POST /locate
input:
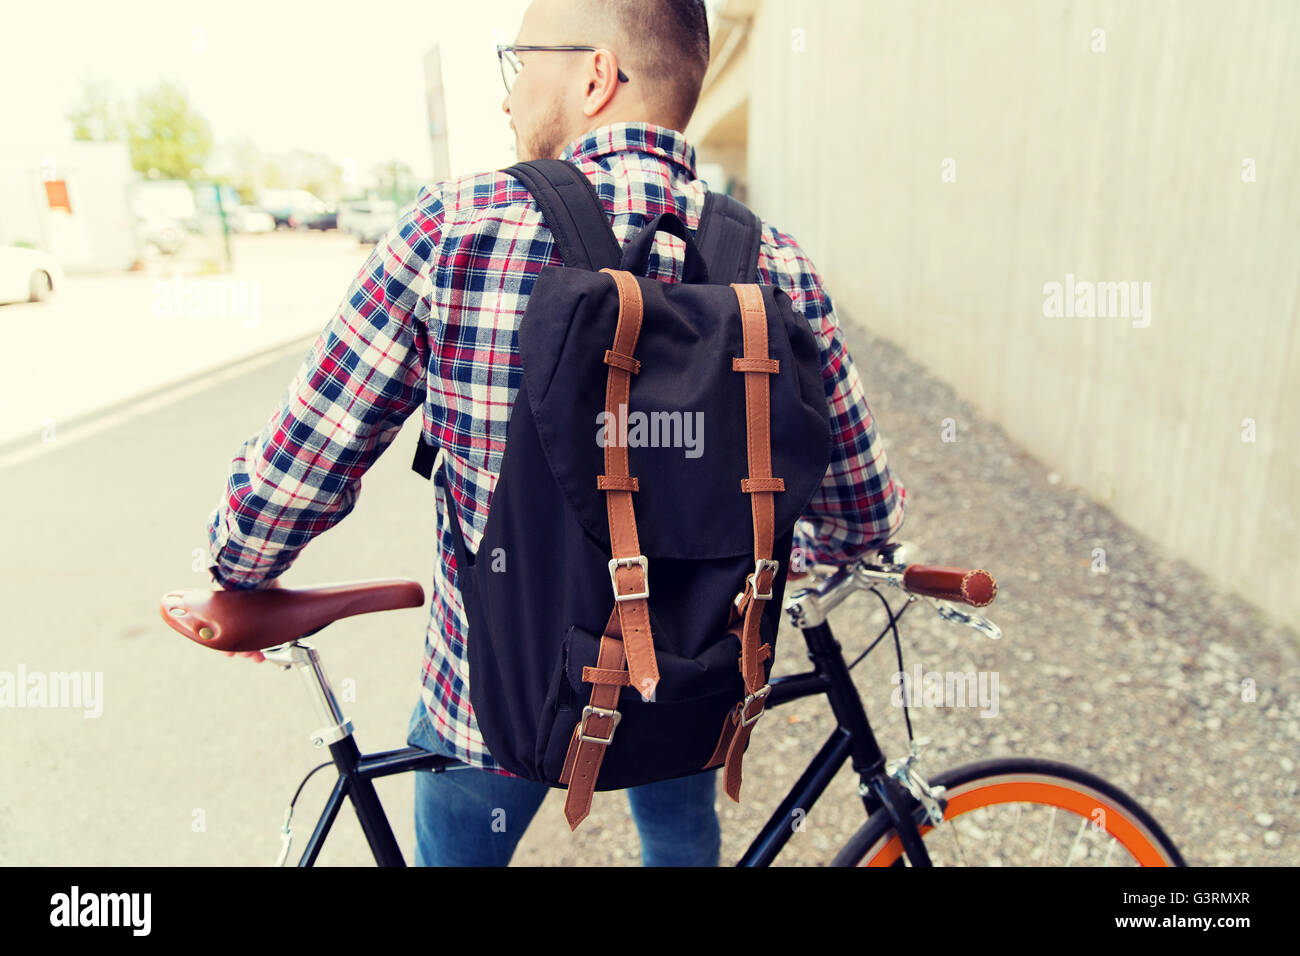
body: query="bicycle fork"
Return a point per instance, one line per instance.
(877, 785)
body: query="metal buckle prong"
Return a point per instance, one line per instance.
(750, 698)
(637, 560)
(602, 712)
(760, 566)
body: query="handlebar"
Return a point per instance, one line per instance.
(808, 603)
(976, 588)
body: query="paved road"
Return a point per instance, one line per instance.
(105, 338)
(1135, 674)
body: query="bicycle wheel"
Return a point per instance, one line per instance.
(1022, 811)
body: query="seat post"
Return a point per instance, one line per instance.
(306, 661)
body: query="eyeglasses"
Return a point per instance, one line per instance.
(510, 65)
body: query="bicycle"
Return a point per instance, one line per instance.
(909, 820)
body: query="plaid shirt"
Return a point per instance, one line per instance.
(430, 323)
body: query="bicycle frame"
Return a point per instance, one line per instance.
(852, 740)
(356, 771)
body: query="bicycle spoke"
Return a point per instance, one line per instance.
(950, 826)
(1047, 846)
(957, 841)
(1002, 835)
(1015, 821)
(1069, 857)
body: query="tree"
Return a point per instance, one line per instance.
(240, 163)
(99, 115)
(168, 135)
(396, 181)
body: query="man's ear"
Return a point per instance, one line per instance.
(606, 73)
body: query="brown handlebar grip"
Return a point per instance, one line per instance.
(976, 588)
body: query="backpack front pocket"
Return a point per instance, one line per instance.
(672, 735)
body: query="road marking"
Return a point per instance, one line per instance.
(153, 403)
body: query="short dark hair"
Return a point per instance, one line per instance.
(668, 43)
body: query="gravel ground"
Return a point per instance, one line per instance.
(1142, 673)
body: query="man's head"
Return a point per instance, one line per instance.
(662, 46)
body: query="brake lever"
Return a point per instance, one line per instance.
(981, 624)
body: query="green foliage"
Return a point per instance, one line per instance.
(169, 138)
(99, 116)
(248, 169)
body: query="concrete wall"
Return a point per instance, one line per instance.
(952, 159)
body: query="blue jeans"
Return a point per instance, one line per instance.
(476, 818)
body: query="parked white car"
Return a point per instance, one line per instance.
(368, 220)
(158, 232)
(249, 219)
(28, 275)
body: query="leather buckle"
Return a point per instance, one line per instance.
(744, 705)
(602, 712)
(752, 579)
(638, 560)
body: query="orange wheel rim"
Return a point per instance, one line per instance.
(1134, 837)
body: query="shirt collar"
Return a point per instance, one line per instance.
(659, 141)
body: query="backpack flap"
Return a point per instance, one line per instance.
(685, 427)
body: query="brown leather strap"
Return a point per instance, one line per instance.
(758, 415)
(760, 485)
(764, 652)
(628, 629)
(732, 720)
(749, 485)
(630, 574)
(617, 483)
(770, 366)
(583, 758)
(729, 723)
(598, 675)
(626, 362)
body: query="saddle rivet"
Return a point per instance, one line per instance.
(205, 633)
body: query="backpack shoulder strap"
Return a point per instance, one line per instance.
(729, 236)
(572, 211)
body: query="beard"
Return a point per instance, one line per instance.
(548, 138)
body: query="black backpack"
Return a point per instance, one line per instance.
(624, 601)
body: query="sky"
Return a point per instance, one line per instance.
(341, 79)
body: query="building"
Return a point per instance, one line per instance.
(72, 200)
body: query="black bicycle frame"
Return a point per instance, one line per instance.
(852, 739)
(355, 775)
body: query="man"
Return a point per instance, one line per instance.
(431, 323)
